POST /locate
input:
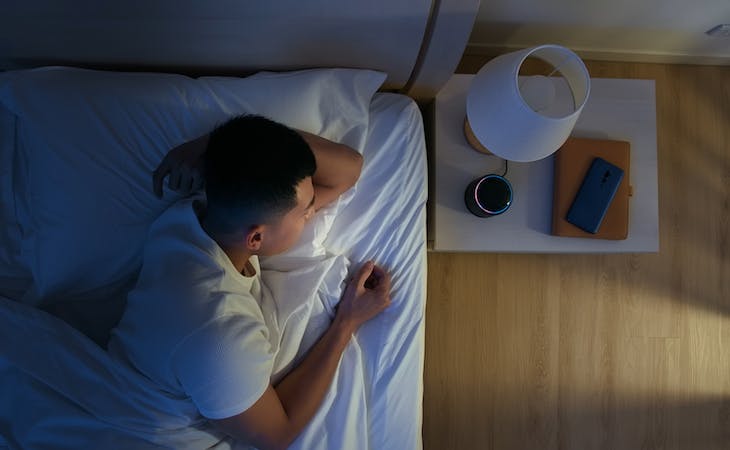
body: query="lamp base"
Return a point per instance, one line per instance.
(472, 139)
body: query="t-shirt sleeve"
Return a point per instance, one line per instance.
(225, 366)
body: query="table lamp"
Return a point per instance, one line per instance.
(515, 117)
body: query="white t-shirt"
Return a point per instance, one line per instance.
(193, 323)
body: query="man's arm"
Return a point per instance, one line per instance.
(338, 168)
(281, 413)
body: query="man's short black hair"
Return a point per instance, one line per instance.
(252, 168)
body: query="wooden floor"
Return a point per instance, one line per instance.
(599, 352)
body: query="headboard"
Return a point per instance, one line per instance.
(418, 43)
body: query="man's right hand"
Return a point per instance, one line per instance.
(366, 296)
(183, 164)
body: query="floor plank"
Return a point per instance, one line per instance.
(599, 351)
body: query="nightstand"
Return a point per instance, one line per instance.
(616, 109)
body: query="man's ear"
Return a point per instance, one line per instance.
(254, 237)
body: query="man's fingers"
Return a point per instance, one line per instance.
(190, 183)
(173, 182)
(185, 182)
(379, 276)
(157, 177)
(364, 273)
(197, 181)
(385, 280)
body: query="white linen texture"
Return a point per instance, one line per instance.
(80, 209)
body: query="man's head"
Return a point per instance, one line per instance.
(259, 184)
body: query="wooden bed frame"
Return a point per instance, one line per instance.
(418, 43)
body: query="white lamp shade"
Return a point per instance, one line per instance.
(502, 120)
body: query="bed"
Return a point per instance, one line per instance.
(77, 147)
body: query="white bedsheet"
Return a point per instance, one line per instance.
(60, 390)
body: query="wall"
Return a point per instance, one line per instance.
(222, 37)
(671, 31)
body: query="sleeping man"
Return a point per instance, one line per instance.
(193, 323)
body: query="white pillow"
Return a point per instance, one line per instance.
(8, 221)
(91, 139)
(14, 276)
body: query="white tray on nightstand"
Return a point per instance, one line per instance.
(616, 109)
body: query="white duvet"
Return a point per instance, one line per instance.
(60, 390)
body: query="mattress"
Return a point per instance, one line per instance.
(386, 222)
(375, 400)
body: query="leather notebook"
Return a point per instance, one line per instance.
(572, 162)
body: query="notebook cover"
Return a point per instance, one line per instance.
(572, 162)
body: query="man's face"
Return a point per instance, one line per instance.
(283, 235)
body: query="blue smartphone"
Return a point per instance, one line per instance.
(595, 195)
